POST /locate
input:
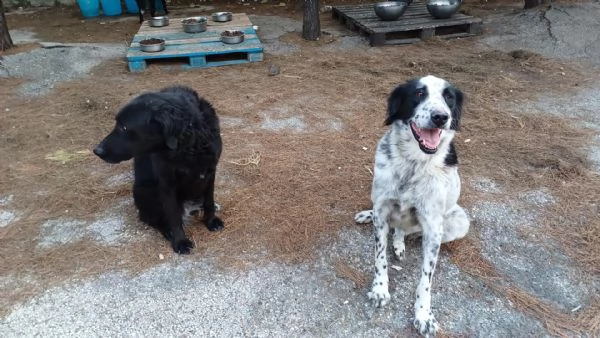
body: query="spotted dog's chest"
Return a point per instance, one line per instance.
(408, 186)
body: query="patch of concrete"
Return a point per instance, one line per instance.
(564, 30)
(293, 123)
(6, 200)
(20, 36)
(540, 198)
(229, 122)
(275, 300)
(484, 184)
(542, 270)
(109, 229)
(61, 231)
(271, 28)
(120, 179)
(346, 43)
(7, 217)
(55, 63)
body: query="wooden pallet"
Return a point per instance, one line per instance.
(416, 24)
(197, 50)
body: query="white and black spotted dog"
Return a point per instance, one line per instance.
(416, 184)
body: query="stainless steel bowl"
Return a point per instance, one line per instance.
(443, 9)
(390, 10)
(222, 16)
(232, 36)
(152, 45)
(194, 24)
(159, 21)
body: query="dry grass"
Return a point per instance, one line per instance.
(284, 192)
(344, 270)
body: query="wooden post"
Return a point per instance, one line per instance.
(5, 40)
(311, 26)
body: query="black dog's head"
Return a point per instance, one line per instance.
(140, 128)
(430, 106)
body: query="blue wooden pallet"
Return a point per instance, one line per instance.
(199, 50)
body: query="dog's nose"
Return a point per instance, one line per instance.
(99, 151)
(439, 118)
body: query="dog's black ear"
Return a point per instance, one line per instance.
(167, 124)
(397, 102)
(457, 109)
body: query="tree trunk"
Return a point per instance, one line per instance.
(5, 40)
(311, 26)
(534, 3)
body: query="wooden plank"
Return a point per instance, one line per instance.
(207, 48)
(194, 41)
(416, 25)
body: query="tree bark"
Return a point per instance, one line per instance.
(311, 26)
(534, 3)
(5, 40)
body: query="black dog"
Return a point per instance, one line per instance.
(174, 139)
(142, 7)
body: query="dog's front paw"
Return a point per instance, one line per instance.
(426, 324)
(365, 216)
(182, 246)
(214, 224)
(379, 295)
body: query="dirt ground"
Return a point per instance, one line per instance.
(298, 148)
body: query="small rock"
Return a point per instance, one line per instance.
(282, 4)
(161, 256)
(273, 70)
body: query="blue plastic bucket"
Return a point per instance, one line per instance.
(132, 6)
(111, 7)
(89, 8)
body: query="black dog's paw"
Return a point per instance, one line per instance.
(182, 246)
(215, 224)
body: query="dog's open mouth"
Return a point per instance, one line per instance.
(429, 139)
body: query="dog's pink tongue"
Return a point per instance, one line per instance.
(430, 138)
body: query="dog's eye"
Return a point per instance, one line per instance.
(448, 97)
(420, 92)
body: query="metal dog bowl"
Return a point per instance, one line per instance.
(232, 36)
(443, 9)
(152, 45)
(222, 16)
(195, 24)
(159, 21)
(390, 10)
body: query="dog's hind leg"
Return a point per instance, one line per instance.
(193, 208)
(212, 222)
(398, 239)
(363, 217)
(456, 224)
